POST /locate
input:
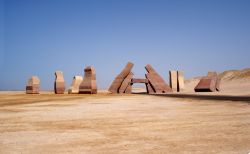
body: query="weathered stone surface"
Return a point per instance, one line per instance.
(114, 88)
(180, 81)
(209, 83)
(206, 84)
(59, 85)
(33, 85)
(173, 82)
(74, 88)
(218, 83)
(156, 81)
(126, 82)
(88, 84)
(214, 74)
(149, 88)
(137, 80)
(128, 89)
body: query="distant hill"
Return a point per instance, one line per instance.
(232, 82)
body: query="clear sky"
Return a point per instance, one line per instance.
(39, 37)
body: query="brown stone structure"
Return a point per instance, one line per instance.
(153, 81)
(137, 80)
(173, 80)
(180, 81)
(59, 85)
(209, 83)
(88, 85)
(156, 81)
(116, 84)
(74, 88)
(33, 85)
(126, 84)
(176, 80)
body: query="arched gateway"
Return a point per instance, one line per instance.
(153, 81)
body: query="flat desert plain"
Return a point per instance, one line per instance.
(136, 123)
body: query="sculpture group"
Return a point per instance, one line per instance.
(124, 81)
(86, 85)
(153, 81)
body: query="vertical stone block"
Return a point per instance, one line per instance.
(59, 85)
(173, 82)
(88, 85)
(33, 85)
(180, 81)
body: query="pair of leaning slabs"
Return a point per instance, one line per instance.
(153, 81)
(86, 85)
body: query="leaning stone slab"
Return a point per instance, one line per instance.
(209, 83)
(180, 81)
(156, 81)
(114, 88)
(59, 85)
(126, 82)
(74, 88)
(88, 84)
(149, 88)
(128, 89)
(33, 85)
(206, 84)
(173, 82)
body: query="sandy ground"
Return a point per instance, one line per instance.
(107, 123)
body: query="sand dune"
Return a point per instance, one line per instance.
(233, 82)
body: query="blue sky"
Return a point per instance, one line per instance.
(39, 37)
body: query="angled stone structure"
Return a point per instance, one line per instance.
(180, 81)
(88, 84)
(173, 80)
(126, 83)
(59, 85)
(156, 81)
(74, 88)
(209, 83)
(33, 85)
(149, 88)
(116, 84)
(153, 81)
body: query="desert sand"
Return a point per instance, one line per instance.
(106, 123)
(128, 123)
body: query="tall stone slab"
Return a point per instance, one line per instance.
(180, 81)
(114, 88)
(88, 85)
(173, 82)
(59, 85)
(156, 81)
(74, 88)
(126, 82)
(33, 85)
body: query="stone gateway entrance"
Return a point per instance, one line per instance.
(153, 81)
